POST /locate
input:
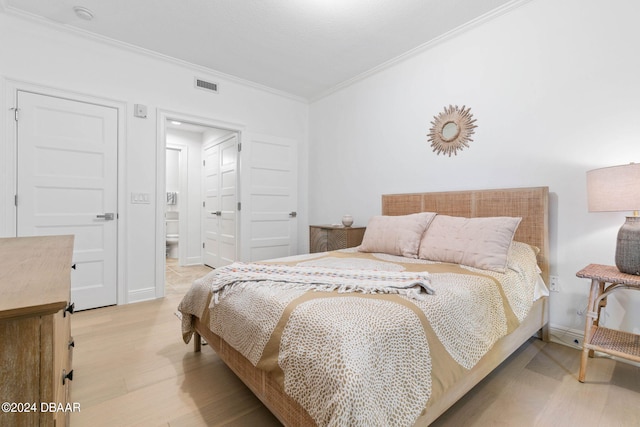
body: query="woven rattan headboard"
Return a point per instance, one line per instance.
(532, 204)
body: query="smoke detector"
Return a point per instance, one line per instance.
(83, 13)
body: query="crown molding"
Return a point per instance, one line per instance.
(507, 7)
(56, 26)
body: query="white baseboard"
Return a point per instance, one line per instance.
(139, 295)
(567, 336)
(195, 260)
(573, 338)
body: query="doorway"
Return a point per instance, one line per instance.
(199, 218)
(265, 224)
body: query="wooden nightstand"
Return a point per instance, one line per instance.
(610, 341)
(332, 237)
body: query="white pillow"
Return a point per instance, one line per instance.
(475, 242)
(396, 235)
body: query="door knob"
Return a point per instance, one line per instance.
(107, 216)
(293, 214)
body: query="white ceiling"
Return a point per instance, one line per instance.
(306, 48)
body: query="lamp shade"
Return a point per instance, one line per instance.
(615, 188)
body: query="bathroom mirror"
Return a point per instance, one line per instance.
(451, 130)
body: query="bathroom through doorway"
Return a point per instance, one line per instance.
(201, 182)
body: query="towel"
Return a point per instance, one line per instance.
(172, 197)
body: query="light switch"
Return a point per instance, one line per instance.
(140, 198)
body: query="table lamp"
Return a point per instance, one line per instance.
(614, 189)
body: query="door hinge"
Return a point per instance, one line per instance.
(204, 162)
(202, 245)
(15, 200)
(203, 204)
(239, 205)
(15, 113)
(239, 147)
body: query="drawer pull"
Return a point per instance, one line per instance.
(72, 343)
(73, 266)
(67, 376)
(70, 309)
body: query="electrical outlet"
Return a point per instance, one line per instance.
(554, 283)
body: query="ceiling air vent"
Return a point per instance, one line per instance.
(205, 85)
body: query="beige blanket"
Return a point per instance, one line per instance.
(362, 358)
(222, 280)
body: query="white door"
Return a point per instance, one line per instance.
(220, 202)
(67, 184)
(271, 197)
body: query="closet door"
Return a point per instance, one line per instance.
(220, 202)
(270, 197)
(67, 184)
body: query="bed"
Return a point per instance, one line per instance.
(288, 348)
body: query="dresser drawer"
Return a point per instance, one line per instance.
(35, 329)
(63, 368)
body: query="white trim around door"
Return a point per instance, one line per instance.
(9, 148)
(162, 117)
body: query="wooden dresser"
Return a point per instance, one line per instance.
(35, 330)
(332, 237)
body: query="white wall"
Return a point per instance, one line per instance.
(554, 88)
(190, 201)
(173, 173)
(43, 55)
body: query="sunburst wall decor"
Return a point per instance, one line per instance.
(451, 130)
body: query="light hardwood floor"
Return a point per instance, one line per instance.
(131, 368)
